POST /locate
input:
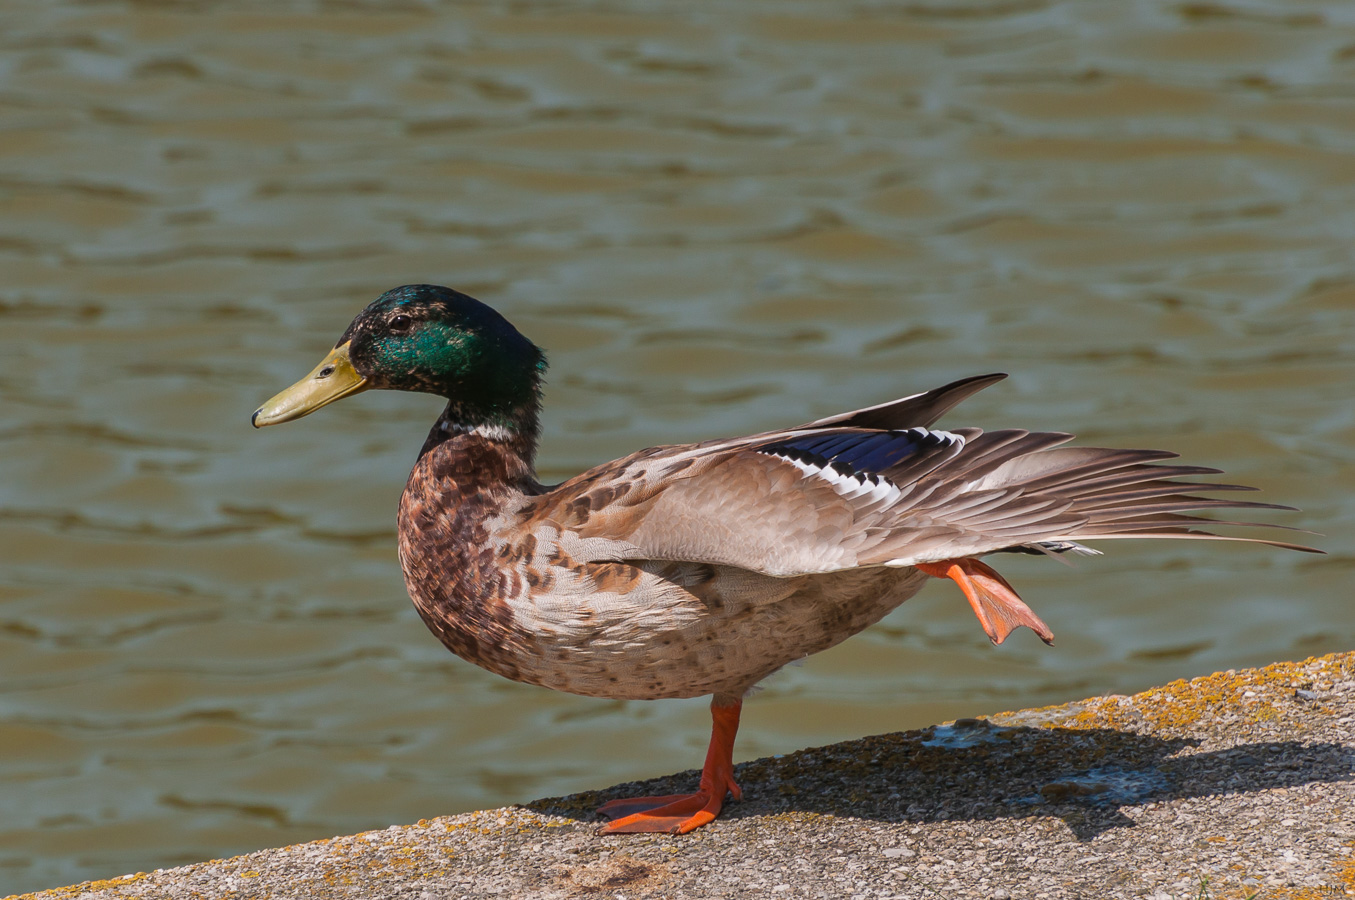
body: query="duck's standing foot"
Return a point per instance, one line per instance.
(681, 813)
(994, 601)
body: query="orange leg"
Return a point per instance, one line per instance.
(681, 813)
(994, 601)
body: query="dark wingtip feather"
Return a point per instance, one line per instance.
(916, 411)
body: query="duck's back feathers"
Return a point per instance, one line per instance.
(823, 498)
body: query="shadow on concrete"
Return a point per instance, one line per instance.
(974, 770)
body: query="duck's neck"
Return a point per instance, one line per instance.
(506, 446)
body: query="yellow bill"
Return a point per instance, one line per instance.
(334, 379)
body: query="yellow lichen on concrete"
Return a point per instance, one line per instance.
(75, 890)
(1341, 883)
(1178, 705)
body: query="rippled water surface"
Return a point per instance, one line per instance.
(717, 219)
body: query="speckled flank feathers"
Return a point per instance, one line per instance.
(700, 569)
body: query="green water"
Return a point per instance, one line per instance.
(716, 220)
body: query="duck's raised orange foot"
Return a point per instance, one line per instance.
(681, 813)
(999, 609)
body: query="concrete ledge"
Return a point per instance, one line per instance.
(1234, 785)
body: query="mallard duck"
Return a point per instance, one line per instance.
(701, 569)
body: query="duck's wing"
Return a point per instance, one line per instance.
(822, 499)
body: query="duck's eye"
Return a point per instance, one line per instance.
(401, 324)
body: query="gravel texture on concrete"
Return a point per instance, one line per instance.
(1235, 785)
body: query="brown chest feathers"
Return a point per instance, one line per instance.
(453, 563)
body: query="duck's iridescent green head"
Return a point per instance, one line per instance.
(432, 340)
